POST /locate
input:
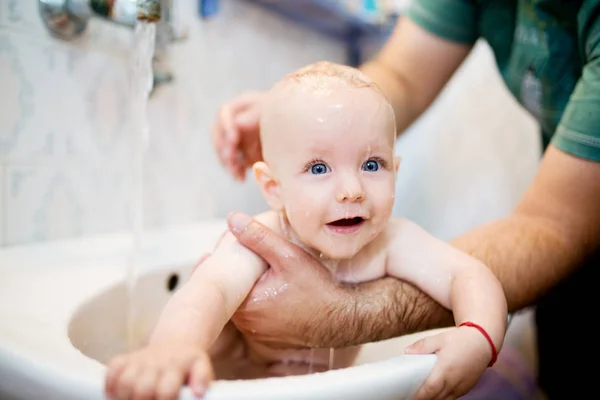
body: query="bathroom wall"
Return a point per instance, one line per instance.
(471, 156)
(64, 139)
(65, 145)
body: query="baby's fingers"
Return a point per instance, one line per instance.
(145, 385)
(114, 370)
(126, 385)
(426, 345)
(169, 385)
(200, 376)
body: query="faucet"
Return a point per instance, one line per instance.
(67, 19)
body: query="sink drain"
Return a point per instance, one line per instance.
(172, 282)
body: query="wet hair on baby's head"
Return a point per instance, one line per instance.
(322, 76)
(295, 92)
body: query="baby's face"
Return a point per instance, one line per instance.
(335, 168)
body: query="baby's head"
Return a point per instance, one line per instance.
(327, 134)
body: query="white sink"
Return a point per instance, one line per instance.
(63, 312)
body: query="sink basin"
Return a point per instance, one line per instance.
(64, 307)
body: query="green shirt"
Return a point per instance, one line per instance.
(548, 52)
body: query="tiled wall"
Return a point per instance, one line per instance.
(65, 146)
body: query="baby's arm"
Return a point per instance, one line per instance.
(198, 311)
(461, 283)
(188, 325)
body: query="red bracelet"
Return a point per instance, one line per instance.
(489, 339)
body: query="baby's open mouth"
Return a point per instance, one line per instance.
(347, 222)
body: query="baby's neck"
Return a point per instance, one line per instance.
(288, 232)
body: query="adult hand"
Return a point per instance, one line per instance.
(235, 133)
(292, 298)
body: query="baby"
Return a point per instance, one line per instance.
(328, 175)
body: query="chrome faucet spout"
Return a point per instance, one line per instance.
(67, 19)
(149, 10)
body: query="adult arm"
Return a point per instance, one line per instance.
(413, 67)
(557, 224)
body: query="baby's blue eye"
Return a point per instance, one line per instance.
(371, 166)
(318, 169)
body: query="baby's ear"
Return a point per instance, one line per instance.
(268, 185)
(397, 162)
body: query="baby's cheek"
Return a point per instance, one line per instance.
(300, 217)
(304, 203)
(383, 197)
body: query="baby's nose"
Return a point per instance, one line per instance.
(351, 190)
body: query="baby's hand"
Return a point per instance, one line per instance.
(158, 371)
(463, 355)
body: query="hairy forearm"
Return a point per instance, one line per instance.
(528, 255)
(377, 310)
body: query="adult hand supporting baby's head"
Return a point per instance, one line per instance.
(236, 133)
(289, 305)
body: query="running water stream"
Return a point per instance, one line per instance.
(141, 85)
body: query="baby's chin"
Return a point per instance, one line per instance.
(337, 252)
(325, 249)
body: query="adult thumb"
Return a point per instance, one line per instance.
(271, 247)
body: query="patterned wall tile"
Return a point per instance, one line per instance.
(105, 190)
(28, 98)
(94, 109)
(42, 203)
(21, 15)
(75, 198)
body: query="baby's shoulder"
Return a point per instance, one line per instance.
(399, 228)
(397, 225)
